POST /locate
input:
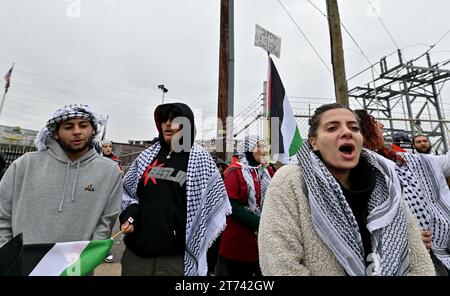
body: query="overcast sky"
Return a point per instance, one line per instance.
(112, 54)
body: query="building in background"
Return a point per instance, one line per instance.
(15, 141)
(15, 135)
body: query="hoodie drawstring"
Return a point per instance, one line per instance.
(75, 182)
(72, 198)
(61, 203)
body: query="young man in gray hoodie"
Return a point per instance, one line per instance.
(65, 191)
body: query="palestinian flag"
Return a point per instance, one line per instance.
(11, 257)
(59, 259)
(283, 128)
(65, 259)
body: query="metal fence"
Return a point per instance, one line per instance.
(252, 122)
(12, 152)
(256, 127)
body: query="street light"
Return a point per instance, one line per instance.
(164, 90)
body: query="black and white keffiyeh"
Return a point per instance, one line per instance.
(207, 202)
(428, 197)
(248, 145)
(69, 112)
(335, 223)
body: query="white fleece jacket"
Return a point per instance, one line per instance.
(289, 244)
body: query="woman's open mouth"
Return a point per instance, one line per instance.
(347, 150)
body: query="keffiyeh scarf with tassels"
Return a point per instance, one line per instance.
(248, 145)
(428, 197)
(69, 112)
(335, 223)
(207, 203)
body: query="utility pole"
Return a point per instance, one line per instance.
(264, 117)
(337, 53)
(226, 80)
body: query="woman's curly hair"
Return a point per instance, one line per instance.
(367, 125)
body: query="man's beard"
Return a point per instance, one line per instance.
(424, 152)
(69, 149)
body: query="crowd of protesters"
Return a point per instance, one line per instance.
(347, 203)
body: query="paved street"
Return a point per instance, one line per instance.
(113, 269)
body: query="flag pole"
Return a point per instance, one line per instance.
(104, 128)
(3, 100)
(117, 234)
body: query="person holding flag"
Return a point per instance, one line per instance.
(176, 198)
(65, 191)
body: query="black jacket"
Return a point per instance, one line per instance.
(160, 216)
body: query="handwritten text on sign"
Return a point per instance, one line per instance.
(267, 41)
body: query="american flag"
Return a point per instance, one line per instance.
(8, 78)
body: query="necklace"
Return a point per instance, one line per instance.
(168, 155)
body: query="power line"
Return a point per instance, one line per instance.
(80, 94)
(346, 30)
(310, 98)
(318, 9)
(440, 39)
(382, 23)
(87, 83)
(101, 109)
(30, 112)
(304, 36)
(93, 85)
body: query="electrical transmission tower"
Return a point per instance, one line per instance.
(406, 95)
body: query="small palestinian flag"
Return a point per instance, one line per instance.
(65, 259)
(59, 259)
(11, 257)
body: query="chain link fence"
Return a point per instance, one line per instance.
(253, 123)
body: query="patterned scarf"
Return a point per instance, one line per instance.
(207, 203)
(428, 197)
(248, 145)
(69, 112)
(335, 223)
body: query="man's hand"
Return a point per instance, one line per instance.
(127, 227)
(426, 238)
